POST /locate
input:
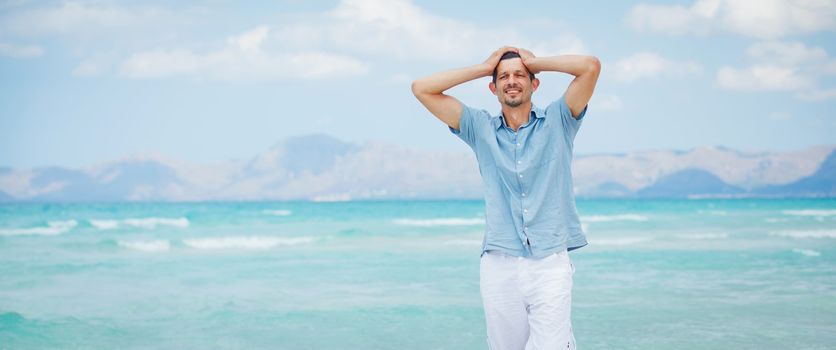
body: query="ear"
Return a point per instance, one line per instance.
(492, 86)
(534, 84)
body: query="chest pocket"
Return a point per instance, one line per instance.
(544, 147)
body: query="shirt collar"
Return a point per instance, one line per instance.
(499, 121)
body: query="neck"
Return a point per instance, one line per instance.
(516, 116)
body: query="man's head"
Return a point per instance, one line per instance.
(505, 56)
(512, 83)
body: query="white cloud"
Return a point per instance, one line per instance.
(788, 53)
(782, 66)
(242, 58)
(10, 50)
(762, 77)
(250, 41)
(87, 68)
(97, 64)
(607, 103)
(817, 95)
(400, 29)
(672, 20)
(650, 65)
(753, 18)
(74, 18)
(145, 41)
(401, 78)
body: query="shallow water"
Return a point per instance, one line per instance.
(657, 274)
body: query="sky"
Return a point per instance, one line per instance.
(83, 82)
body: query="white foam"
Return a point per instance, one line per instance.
(148, 223)
(154, 222)
(620, 241)
(774, 220)
(277, 212)
(705, 236)
(619, 217)
(806, 252)
(159, 245)
(440, 222)
(104, 224)
(250, 242)
(806, 234)
(810, 212)
(52, 228)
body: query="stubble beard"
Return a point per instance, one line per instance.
(513, 103)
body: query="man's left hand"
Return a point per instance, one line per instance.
(526, 57)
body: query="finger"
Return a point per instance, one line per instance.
(505, 49)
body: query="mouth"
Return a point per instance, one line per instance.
(513, 91)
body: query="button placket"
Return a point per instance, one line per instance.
(518, 157)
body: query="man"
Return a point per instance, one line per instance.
(524, 156)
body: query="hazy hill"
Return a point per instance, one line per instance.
(322, 168)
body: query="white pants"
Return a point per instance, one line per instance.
(528, 302)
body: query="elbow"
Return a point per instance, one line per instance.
(417, 87)
(593, 65)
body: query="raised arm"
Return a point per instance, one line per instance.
(430, 90)
(584, 68)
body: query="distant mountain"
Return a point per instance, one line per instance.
(821, 184)
(322, 168)
(689, 183)
(748, 170)
(128, 180)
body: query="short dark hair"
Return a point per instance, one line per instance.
(505, 56)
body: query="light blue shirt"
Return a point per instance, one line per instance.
(527, 177)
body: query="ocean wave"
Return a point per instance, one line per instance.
(619, 217)
(149, 223)
(810, 212)
(159, 245)
(104, 224)
(806, 252)
(806, 234)
(701, 236)
(250, 242)
(464, 242)
(714, 212)
(277, 212)
(440, 222)
(620, 241)
(52, 228)
(774, 220)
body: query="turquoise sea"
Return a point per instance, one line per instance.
(657, 274)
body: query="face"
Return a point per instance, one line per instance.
(513, 85)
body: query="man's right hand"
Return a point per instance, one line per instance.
(430, 89)
(493, 60)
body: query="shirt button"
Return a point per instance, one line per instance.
(519, 162)
(525, 210)
(518, 143)
(523, 194)
(525, 228)
(520, 175)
